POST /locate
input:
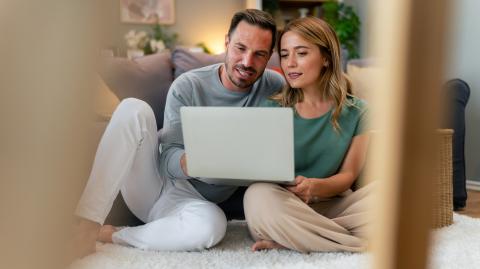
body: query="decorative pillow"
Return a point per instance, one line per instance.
(274, 63)
(361, 73)
(147, 78)
(185, 60)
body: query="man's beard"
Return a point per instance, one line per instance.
(241, 83)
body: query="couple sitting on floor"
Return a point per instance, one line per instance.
(318, 213)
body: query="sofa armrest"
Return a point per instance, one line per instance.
(105, 101)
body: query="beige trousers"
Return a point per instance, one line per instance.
(337, 224)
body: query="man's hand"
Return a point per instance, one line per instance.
(183, 164)
(304, 189)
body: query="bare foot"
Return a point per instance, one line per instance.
(105, 234)
(266, 244)
(85, 235)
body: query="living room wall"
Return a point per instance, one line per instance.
(201, 21)
(465, 64)
(361, 8)
(195, 21)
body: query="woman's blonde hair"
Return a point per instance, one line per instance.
(333, 84)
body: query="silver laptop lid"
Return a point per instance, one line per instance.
(247, 143)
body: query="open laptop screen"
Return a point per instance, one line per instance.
(246, 143)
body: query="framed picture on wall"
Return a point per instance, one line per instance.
(147, 11)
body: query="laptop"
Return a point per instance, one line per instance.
(239, 145)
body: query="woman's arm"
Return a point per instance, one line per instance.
(309, 188)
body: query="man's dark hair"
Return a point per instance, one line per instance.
(255, 17)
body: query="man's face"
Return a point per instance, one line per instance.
(247, 54)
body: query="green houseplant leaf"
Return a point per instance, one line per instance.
(346, 24)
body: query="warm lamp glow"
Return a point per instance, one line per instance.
(216, 46)
(212, 35)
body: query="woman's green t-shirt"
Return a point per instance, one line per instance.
(319, 149)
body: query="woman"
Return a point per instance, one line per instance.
(319, 213)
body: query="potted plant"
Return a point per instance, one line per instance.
(346, 24)
(160, 40)
(142, 43)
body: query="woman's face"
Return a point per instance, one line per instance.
(301, 61)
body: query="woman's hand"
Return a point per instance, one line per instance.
(313, 190)
(304, 188)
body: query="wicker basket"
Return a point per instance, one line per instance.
(443, 210)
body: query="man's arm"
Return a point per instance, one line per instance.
(171, 138)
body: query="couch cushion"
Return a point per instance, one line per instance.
(274, 63)
(361, 73)
(184, 60)
(147, 78)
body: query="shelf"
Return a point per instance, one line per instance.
(302, 1)
(289, 10)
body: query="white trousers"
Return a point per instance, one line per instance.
(177, 217)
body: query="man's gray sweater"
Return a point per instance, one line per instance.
(202, 87)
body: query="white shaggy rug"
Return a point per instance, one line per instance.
(456, 246)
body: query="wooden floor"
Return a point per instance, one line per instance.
(473, 205)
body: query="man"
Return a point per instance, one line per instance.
(180, 212)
